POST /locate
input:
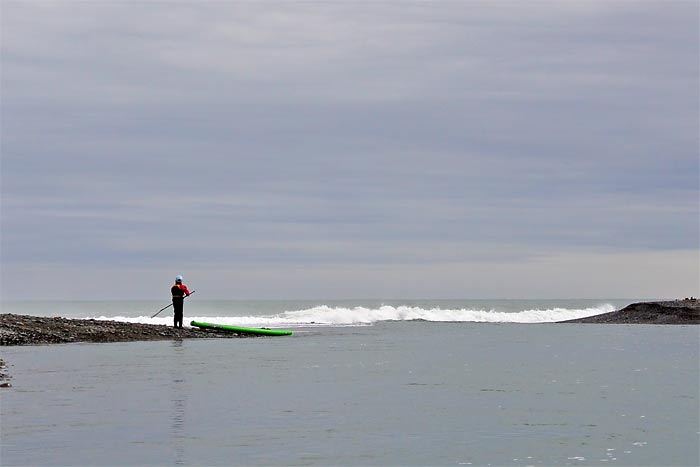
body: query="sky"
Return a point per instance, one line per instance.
(349, 149)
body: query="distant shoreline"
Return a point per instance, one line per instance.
(676, 312)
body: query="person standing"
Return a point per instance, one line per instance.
(179, 291)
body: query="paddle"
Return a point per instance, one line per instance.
(168, 306)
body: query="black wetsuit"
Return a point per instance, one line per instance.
(178, 301)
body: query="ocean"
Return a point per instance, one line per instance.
(393, 382)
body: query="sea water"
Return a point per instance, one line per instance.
(361, 383)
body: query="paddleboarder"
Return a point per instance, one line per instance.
(179, 291)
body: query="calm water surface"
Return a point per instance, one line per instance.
(395, 393)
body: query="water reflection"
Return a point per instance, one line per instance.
(178, 394)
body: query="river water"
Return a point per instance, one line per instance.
(408, 392)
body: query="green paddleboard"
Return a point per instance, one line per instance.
(242, 330)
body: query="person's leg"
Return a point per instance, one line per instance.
(177, 306)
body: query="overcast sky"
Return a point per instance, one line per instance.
(350, 149)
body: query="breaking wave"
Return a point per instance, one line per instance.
(360, 316)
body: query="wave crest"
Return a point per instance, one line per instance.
(338, 316)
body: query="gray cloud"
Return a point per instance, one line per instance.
(295, 135)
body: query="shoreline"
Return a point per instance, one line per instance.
(36, 330)
(21, 330)
(674, 312)
(40, 330)
(25, 330)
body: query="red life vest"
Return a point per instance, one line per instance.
(179, 291)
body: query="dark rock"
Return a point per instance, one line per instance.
(3, 375)
(670, 312)
(32, 330)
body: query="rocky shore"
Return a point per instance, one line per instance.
(33, 330)
(685, 311)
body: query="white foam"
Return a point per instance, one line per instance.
(338, 316)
